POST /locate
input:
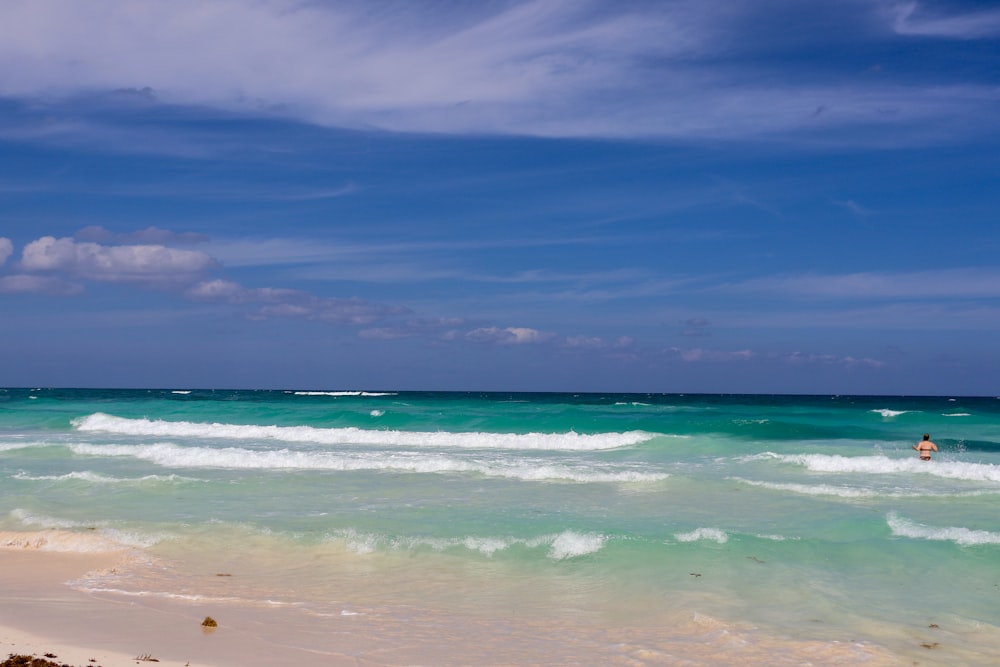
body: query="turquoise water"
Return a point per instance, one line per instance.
(792, 522)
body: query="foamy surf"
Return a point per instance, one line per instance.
(169, 455)
(703, 534)
(884, 465)
(570, 441)
(558, 546)
(961, 536)
(61, 541)
(889, 414)
(342, 394)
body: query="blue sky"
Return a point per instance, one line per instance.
(555, 195)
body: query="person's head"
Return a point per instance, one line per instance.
(927, 436)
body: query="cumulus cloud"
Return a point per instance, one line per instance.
(146, 264)
(6, 249)
(697, 354)
(509, 335)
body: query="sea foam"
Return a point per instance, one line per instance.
(881, 465)
(706, 534)
(343, 393)
(356, 436)
(888, 414)
(171, 455)
(560, 546)
(97, 478)
(961, 536)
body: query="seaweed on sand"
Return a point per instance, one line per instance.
(31, 661)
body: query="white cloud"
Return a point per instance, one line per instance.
(289, 303)
(697, 354)
(597, 343)
(509, 335)
(830, 359)
(148, 264)
(6, 249)
(944, 283)
(537, 67)
(910, 20)
(150, 235)
(386, 333)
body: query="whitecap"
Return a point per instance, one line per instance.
(885, 412)
(170, 455)
(355, 436)
(570, 544)
(882, 465)
(708, 534)
(343, 393)
(812, 489)
(561, 546)
(961, 536)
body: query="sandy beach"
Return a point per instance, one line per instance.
(41, 614)
(44, 616)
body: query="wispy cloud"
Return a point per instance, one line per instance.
(913, 18)
(799, 358)
(945, 283)
(281, 303)
(6, 249)
(540, 67)
(150, 235)
(509, 335)
(698, 354)
(31, 284)
(854, 208)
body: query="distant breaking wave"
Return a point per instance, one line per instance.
(881, 465)
(238, 458)
(570, 441)
(561, 546)
(961, 536)
(885, 412)
(850, 492)
(343, 393)
(708, 534)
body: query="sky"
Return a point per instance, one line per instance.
(680, 196)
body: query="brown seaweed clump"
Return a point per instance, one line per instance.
(209, 622)
(30, 661)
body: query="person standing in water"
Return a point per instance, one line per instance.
(925, 447)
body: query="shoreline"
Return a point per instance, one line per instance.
(40, 613)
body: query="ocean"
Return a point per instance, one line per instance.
(520, 528)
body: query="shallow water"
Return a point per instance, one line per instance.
(624, 529)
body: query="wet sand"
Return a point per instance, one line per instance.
(40, 613)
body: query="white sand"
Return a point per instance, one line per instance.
(40, 613)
